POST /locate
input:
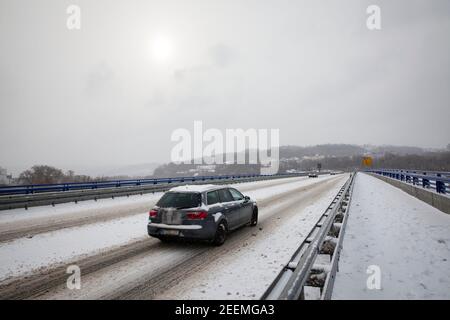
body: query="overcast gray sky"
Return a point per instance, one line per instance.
(102, 96)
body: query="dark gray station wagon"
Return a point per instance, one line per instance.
(204, 212)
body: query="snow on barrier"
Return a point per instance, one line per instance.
(432, 180)
(311, 271)
(430, 187)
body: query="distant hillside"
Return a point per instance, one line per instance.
(346, 150)
(327, 150)
(398, 150)
(330, 156)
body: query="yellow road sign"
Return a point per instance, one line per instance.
(367, 161)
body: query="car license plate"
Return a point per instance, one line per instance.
(170, 216)
(171, 232)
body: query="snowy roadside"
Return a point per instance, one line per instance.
(407, 240)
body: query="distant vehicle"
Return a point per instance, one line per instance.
(203, 212)
(312, 175)
(333, 173)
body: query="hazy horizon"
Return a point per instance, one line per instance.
(110, 169)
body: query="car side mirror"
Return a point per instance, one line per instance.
(246, 198)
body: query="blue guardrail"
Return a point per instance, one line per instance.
(61, 187)
(435, 180)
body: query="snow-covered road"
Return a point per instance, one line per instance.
(242, 268)
(19, 223)
(123, 255)
(397, 237)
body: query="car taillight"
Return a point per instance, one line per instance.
(153, 213)
(197, 215)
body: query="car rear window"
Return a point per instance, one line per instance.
(180, 200)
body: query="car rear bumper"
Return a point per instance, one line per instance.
(175, 227)
(204, 231)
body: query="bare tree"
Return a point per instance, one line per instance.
(41, 175)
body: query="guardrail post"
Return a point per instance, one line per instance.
(440, 185)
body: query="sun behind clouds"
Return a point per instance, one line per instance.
(162, 48)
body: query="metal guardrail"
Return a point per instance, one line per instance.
(61, 187)
(434, 180)
(74, 192)
(304, 270)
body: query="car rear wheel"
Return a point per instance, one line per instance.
(221, 234)
(254, 220)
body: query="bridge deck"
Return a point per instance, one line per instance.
(406, 238)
